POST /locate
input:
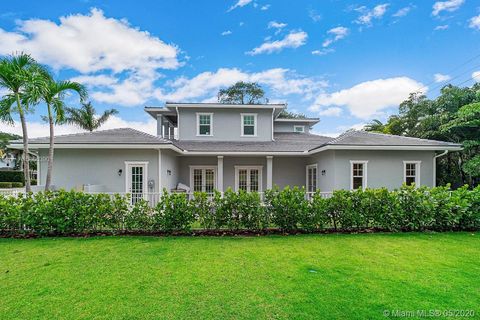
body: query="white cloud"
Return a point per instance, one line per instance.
(356, 126)
(475, 22)
(281, 81)
(332, 112)
(95, 81)
(239, 4)
(294, 39)
(449, 6)
(41, 129)
(338, 33)
(276, 25)
(314, 15)
(369, 98)
(442, 27)
(90, 43)
(368, 15)
(476, 76)
(402, 12)
(322, 52)
(438, 77)
(265, 7)
(226, 33)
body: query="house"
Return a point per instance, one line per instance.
(208, 146)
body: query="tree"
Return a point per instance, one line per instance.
(85, 117)
(53, 96)
(21, 77)
(285, 114)
(242, 93)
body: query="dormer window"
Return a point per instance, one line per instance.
(299, 129)
(249, 124)
(204, 124)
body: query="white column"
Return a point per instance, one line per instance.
(269, 171)
(220, 173)
(160, 189)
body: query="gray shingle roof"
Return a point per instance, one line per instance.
(284, 142)
(112, 136)
(363, 138)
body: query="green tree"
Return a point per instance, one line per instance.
(85, 117)
(22, 78)
(53, 95)
(242, 93)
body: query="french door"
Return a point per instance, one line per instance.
(136, 176)
(203, 179)
(248, 178)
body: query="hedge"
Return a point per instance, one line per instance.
(11, 176)
(406, 209)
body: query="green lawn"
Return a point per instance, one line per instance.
(274, 277)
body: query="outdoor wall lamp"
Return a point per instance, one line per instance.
(120, 172)
(323, 172)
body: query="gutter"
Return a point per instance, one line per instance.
(435, 166)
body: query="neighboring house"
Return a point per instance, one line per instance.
(207, 146)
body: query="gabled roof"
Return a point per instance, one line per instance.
(112, 136)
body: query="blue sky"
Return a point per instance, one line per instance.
(346, 62)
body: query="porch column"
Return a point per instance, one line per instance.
(269, 171)
(220, 173)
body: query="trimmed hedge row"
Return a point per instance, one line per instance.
(11, 184)
(11, 176)
(406, 209)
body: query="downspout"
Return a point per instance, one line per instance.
(435, 166)
(178, 125)
(273, 113)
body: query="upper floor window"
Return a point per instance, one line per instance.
(358, 171)
(411, 172)
(204, 124)
(249, 124)
(299, 129)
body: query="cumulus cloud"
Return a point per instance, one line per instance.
(402, 12)
(239, 4)
(276, 25)
(438, 77)
(369, 98)
(368, 15)
(281, 81)
(476, 76)
(322, 52)
(265, 7)
(475, 22)
(226, 33)
(330, 112)
(337, 33)
(294, 39)
(90, 43)
(449, 6)
(40, 129)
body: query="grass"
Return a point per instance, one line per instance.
(275, 277)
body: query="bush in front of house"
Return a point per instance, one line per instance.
(11, 176)
(406, 209)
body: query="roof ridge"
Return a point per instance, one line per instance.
(79, 133)
(342, 136)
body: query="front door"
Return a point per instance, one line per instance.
(136, 180)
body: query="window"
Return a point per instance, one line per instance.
(249, 124)
(299, 129)
(248, 178)
(358, 170)
(204, 124)
(203, 179)
(312, 178)
(411, 172)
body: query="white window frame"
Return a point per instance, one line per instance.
(260, 177)
(214, 168)
(295, 129)
(242, 115)
(308, 167)
(365, 173)
(418, 164)
(145, 176)
(198, 124)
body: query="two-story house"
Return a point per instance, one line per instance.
(207, 146)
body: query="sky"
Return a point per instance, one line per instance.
(346, 62)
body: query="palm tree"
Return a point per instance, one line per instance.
(376, 126)
(85, 117)
(53, 97)
(21, 76)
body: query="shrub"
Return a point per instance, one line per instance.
(5, 185)
(139, 217)
(287, 207)
(17, 184)
(173, 213)
(11, 176)
(251, 211)
(202, 210)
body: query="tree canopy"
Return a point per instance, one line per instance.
(242, 93)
